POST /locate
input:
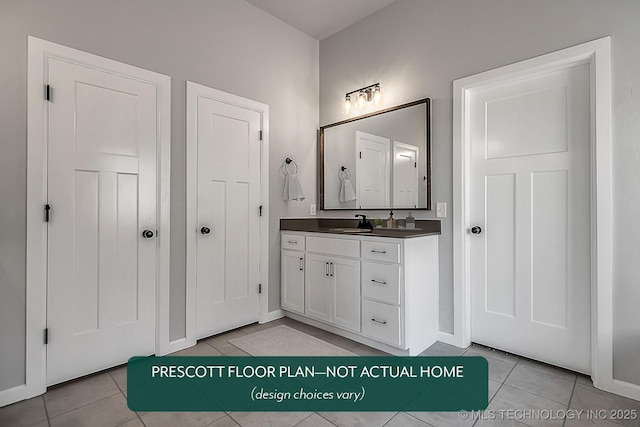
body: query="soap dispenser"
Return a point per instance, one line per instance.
(410, 221)
(391, 222)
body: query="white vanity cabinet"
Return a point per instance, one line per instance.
(332, 281)
(381, 291)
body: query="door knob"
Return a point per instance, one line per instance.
(148, 234)
(205, 230)
(476, 229)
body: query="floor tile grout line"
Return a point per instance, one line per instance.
(303, 419)
(537, 395)
(404, 412)
(140, 418)
(86, 404)
(325, 418)
(117, 385)
(573, 390)
(497, 391)
(218, 419)
(127, 401)
(46, 411)
(533, 367)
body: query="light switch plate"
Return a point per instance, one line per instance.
(312, 210)
(441, 210)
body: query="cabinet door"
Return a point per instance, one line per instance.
(345, 275)
(293, 281)
(317, 287)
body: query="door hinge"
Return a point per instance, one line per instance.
(48, 92)
(260, 210)
(260, 135)
(259, 288)
(46, 336)
(47, 209)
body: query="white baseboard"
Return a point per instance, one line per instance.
(272, 315)
(177, 345)
(13, 395)
(623, 388)
(447, 338)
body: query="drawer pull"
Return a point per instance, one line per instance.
(375, 251)
(381, 322)
(293, 242)
(379, 282)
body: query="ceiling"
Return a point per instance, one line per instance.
(320, 18)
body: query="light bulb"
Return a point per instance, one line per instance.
(362, 99)
(346, 106)
(377, 96)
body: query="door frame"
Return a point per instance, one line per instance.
(39, 52)
(193, 92)
(597, 54)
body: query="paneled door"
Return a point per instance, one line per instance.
(372, 170)
(101, 289)
(228, 146)
(405, 175)
(530, 234)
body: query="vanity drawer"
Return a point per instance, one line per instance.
(381, 282)
(295, 242)
(330, 246)
(381, 322)
(381, 251)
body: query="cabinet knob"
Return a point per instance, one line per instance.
(476, 229)
(205, 230)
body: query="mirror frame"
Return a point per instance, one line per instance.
(427, 102)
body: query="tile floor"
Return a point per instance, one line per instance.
(514, 384)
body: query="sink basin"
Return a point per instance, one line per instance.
(350, 230)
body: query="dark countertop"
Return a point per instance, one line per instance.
(424, 227)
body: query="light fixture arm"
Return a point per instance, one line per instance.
(362, 96)
(363, 89)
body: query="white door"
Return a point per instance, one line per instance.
(345, 281)
(530, 262)
(102, 192)
(292, 280)
(317, 287)
(405, 175)
(228, 216)
(372, 170)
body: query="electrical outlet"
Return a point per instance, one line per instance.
(441, 210)
(312, 210)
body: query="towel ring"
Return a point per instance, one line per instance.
(287, 162)
(345, 173)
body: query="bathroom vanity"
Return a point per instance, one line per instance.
(376, 287)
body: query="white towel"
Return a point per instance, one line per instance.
(292, 189)
(347, 192)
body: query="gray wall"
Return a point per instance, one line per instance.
(416, 48)
(226, 44)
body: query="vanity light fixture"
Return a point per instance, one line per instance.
(363, 95)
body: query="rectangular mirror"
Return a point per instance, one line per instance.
(380, 160)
